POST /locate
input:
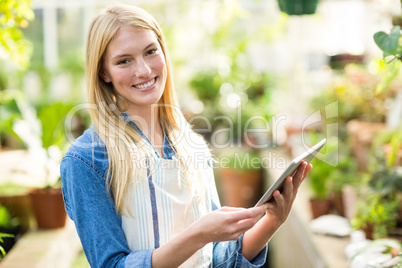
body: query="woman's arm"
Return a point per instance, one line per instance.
(223, 224)
(93, 212)
(255, 239)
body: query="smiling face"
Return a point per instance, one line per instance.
(135, 64)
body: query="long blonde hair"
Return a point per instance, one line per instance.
(124, 144)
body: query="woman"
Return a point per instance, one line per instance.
(138, 184)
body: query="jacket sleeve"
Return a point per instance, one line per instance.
(228, 253)
(92, 209)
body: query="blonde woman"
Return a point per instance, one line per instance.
(138, 184)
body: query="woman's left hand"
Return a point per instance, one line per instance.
(279, 208)
(277, 211)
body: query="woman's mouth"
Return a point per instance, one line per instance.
(145, 85)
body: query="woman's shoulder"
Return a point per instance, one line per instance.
(89, 149)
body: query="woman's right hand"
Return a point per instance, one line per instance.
(224, 224)
(227, 223)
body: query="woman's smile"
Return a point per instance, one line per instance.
(148, 85)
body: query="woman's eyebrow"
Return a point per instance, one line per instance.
(150, 45)
(120, 56)
(127, 55)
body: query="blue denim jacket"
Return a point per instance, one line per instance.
(99, 226)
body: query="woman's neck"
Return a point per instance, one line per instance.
(149, 123)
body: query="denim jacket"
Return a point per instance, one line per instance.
(99, 226)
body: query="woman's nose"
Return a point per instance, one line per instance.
(141, 68)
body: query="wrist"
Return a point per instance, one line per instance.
(197, 236)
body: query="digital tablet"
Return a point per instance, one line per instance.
(291, 170)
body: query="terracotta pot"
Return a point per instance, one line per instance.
(19, 206)
(369, 231)
(319, 207)
(48, 206)
(337, 201)
(241, 188)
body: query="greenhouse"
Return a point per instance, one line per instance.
(214, 133)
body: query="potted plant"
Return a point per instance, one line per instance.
(42, 133)
(298, 7)
(241, 177)
(320, 202)
(376, 215)
(379, 206)
(10, 228)
(345, 173)
(18, 202)
(391, 46)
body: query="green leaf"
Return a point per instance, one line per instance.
(52, 119)
(388, 42)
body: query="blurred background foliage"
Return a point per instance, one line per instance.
(233, 60)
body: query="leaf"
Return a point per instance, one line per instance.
(388, 42)
(52, 119)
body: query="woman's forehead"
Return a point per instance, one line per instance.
(131, 38)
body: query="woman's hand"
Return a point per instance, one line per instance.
(223, 224)
(277, 211)
(227, 223)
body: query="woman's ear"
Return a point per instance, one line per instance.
(105, 76)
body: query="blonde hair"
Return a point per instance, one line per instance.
(124, 144)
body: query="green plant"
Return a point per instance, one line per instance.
(3, 235)
(41, 130)
(298, 7)
(14, 15)
(379, 212)
(379, 205)
(323, 174)
(391, 45)
(354, 89)
(318, 179)
(229, 87)
(385, 177)
(6, 220)
(8, 112)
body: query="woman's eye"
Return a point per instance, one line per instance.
(122, 62)
(152, 51)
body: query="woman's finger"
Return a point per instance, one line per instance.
(288, 188)
(278, 197)
(230, 209)
(299, 176)
(247, 213)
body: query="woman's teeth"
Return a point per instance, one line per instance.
(145, 85)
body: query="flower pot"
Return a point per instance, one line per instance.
(337, 201)
(19, 206)
(369, 231)
(298, 7)
(241, 188)
(319, 207)
(48, 207)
